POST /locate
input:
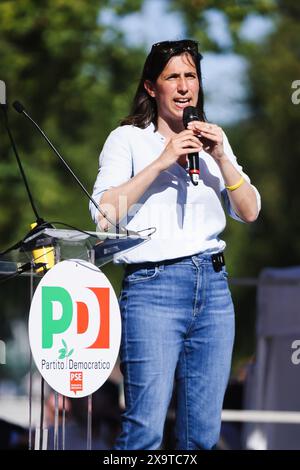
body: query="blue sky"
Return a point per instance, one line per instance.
(224, 76)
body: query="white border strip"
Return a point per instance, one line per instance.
(262, 416)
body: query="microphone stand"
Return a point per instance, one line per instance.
(39, 220)
(32, 265)
(20, 109)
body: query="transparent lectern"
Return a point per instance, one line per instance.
(33, 257)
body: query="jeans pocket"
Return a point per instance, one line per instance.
(143, 274)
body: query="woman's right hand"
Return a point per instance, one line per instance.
(180, 144)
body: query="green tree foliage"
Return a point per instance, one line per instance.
(76, 78)
(271, 142)
(267, 142)
(270, 145)
(235, 12)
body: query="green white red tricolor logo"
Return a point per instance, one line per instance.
(75, 328)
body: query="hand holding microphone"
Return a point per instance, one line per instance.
(210, 135)
(180, 144)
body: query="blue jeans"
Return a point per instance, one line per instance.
(177, 324)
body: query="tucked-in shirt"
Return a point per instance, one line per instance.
(188, 219)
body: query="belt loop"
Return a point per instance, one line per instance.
(195, 260)
(160, 265)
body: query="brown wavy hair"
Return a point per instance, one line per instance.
(144, 109)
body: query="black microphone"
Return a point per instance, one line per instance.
(190, 113)
(21, 109)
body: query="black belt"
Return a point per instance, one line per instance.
(217, 259)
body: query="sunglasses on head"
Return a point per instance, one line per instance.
(184, 45)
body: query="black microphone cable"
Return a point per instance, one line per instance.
(39, 220)
(40, 223)
(22, 268)
(20, 109)
(34, 265)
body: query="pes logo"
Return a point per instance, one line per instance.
(76, 381)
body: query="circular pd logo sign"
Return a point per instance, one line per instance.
(75, 328)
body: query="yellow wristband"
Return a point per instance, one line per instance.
(235, 186)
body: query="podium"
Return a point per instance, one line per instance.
(49, 245)
(96, 247)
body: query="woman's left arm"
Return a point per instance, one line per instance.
(241, 194)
